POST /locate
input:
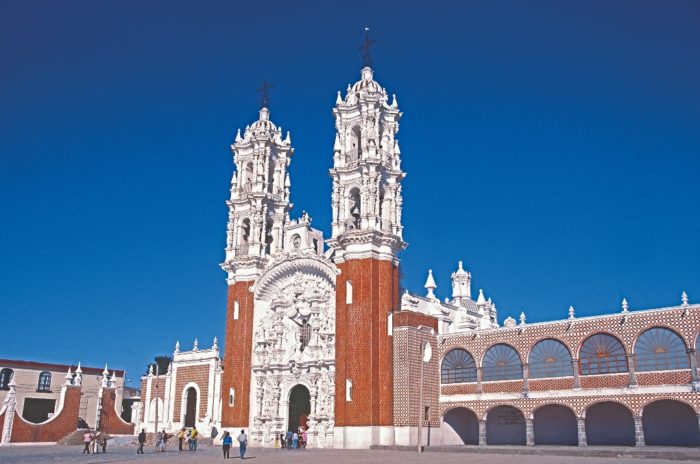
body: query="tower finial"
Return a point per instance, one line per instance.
(265, 93)
(625, 305)
(366, 57)
(684, 299)
(430, 285)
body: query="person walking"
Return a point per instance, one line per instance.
(295, 440)
(193, 439)
(95, 443)
(180, 438)
(303, 438)
(226, 444)
(103, 443)
(282, 440)
(242, 443)
(162, 440)
(142, 441)
(289, 439)
(87, 439)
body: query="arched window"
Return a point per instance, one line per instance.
(659, 349)
(5, 377)
(502, 362)
(458, 366)
(550, 358)
(44, 382)
(602, 354)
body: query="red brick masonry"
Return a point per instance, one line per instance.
(60, 425)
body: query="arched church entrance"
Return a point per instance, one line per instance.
(670, 423)
(190, 407)
(460, 427)
(299, 407)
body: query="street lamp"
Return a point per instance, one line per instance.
(426, 352)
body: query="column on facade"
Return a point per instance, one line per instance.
(10, 405)
(577, 380)
(479, 387)
(529, 433)
(482, 432)
(526, 380)
(631, 367)
(695, 379)
(147, 406)
(167, 399)
(638, 431)
(313, 395)
(581, 425)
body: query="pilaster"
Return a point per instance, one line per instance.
(631, 367)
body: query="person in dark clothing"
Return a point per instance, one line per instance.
(226, 444)
(142, 440)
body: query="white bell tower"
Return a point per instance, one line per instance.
(366, 172)
(259, 202)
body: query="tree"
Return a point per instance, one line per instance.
(163, 362)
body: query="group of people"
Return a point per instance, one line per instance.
(94, 441)
(187, 440)
(291, 440)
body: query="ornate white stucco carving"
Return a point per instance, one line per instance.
(294, 344)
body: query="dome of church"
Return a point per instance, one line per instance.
(263, 124)
(367, 83)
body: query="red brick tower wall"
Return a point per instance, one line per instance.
(237, 356)
(364, 349)
(111, 423)
(65, 423)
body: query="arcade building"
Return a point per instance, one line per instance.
(319, 335)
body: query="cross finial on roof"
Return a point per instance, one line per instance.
(365, 48)
(265, 91)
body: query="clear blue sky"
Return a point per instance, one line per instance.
(553, 146)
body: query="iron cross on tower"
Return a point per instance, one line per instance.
(265, 91)
(365, 48)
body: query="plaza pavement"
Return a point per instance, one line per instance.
(211, 454)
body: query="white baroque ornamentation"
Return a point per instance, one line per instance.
(294, 344)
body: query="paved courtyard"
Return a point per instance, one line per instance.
(118, 454)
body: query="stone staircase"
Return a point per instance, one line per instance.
(74, 438)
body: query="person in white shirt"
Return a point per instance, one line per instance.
(242, 443)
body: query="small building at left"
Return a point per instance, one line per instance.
(42, 402)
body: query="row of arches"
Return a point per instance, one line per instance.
(663, 423)
(656, 349)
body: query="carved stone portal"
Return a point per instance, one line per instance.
(294, 344)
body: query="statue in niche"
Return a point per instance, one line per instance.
(355, 209)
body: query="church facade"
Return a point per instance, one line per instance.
(319, 335)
